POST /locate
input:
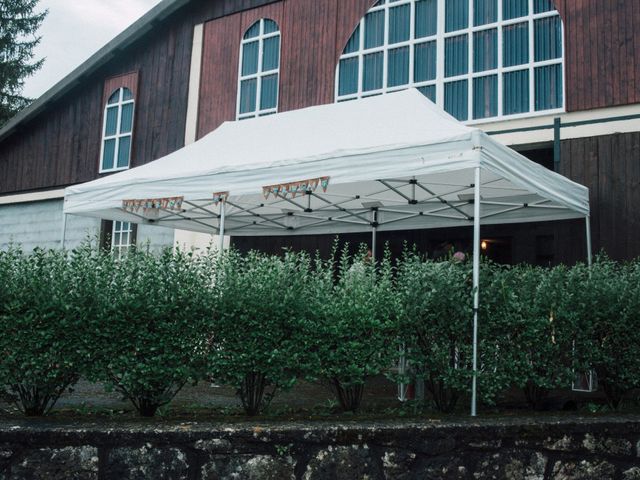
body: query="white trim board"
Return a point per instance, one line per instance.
(32, 197)
(191, 124)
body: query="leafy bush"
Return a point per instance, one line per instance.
(40, 349)
(533, 341)
(435, 324)
(355, 330)
(147, 338)
(605, 302)
(261, 326)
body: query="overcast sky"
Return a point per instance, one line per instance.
(76, 29)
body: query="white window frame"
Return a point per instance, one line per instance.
(440, 80)
(260, 74)
(120, 104)
(120, 248)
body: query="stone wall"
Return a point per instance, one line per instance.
(605, 448)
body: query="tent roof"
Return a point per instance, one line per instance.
(399, 153)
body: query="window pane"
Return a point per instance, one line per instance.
(111, 127)
(126, 94)
(485, 11)
(456, 99)
(269, 92)
(399, 23)
(456, 15)
(109, 152)
(516, 92)
(250, 58)
(353, 45)
(515, 44)
(485, 97)
(123, 151)
(398, 73)
(429, 92)
(425, 62)
(126, 121)
(374, 29)
(540, 6)
(426, 18)
(514, 8)
(114, 98)
(271, 54)
(270, 26)
(248, 96)
(548, 83)
(485, 50)
(548, 38)
(373, 65)
(456, 55)
(348, 82)
(253, 31)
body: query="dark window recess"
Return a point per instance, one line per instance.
(106, 230)
(498, 250)
(545, 250)
(542, 156)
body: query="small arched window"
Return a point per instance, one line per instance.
(259, 70)
(117, 131)
(477, 59)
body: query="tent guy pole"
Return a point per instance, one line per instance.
(221, 227)
(476, 289)
(589, 247)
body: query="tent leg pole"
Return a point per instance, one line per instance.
(589, 247)
(221, 229)
(476, 290)
(374, 234)
(63, 235)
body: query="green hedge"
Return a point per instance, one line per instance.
(149, 323)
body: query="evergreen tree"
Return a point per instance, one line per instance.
(19, 23)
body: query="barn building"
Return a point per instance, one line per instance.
(559, 81)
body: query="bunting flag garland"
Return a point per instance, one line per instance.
(170, 203)
(220, 197)
(296, 188)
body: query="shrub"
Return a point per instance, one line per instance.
(435, 324)
(261, 325)
(147, 336)
(534, 344)
(355, 330)
(604, 300)
(41, 355)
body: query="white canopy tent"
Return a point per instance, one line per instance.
(391, 162)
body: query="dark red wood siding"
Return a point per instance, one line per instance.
(62, 145)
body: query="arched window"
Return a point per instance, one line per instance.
(477, 59)
(117, 131)
(259, 70)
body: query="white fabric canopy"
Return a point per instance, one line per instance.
(394, 162)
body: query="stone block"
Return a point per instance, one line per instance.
(607, 446)
(343, 463)
(512, 465)
(583, 470)
(69, 463)
(248, 467)
(147, 462)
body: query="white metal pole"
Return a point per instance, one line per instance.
(374, 233)
(476, 289)
(63, 235)
(589, 247)
(221, 227)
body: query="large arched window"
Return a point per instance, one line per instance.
(477, 59)
(259, 70)
(117, 131)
